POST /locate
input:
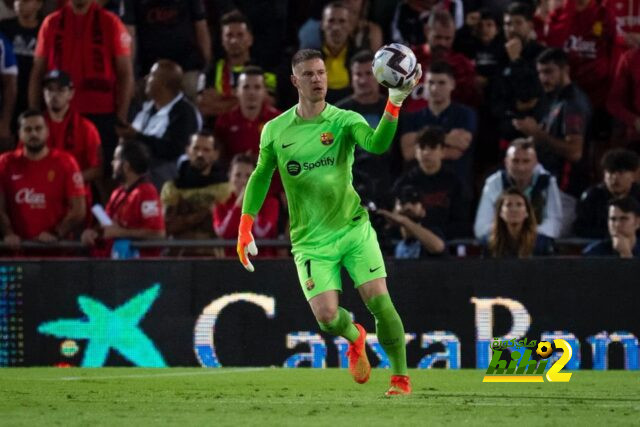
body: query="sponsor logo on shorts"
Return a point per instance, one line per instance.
(310, 284)
(372, 270)
(326, 138)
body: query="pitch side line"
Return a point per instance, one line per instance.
(417, 401)
(168, 374)
(412, 401)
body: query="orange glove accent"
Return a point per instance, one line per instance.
(246, 244)
(392, 109)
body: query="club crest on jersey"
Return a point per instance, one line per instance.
(77, 179)
(326, 138)
(310, 284)
(150, 209)
(597, 29)
(51, 175)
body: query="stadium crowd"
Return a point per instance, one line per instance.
(524, 130)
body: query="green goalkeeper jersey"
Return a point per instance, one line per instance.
(314, 158)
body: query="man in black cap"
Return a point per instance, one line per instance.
(68, 130)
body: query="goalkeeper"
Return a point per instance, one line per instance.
(312, 145)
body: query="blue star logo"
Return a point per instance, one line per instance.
(105, 329)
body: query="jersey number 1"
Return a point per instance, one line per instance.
(307, 264)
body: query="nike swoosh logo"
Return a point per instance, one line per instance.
(287, 145)
(371, 270)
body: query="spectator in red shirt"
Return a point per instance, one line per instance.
(586, 30)
(544, 8)
(624, 98)
(41, 189)
(440, 32)
(134, 207)
(239, 130)
(69, 131)
(627, 16)
(94, 48)
(226, 216)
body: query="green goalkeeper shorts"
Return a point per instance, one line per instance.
(357, 250)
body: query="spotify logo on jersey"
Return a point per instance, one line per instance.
(293, 168)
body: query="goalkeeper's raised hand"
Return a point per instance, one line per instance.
(246, 244)
(398, 95)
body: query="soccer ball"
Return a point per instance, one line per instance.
(394, 64)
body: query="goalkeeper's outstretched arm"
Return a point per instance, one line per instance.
(259, 182)
(254, 195)
(378, 141)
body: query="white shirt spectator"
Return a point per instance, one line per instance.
(549, 225)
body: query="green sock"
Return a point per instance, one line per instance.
(390, 332)
(342, 325)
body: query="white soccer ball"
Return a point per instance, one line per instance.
(394, 64)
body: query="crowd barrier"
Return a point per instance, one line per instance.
(214, 313)
(460, 247)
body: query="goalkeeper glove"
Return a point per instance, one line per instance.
(398, 95)
(246, 244)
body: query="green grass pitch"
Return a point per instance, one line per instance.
(306, 397)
